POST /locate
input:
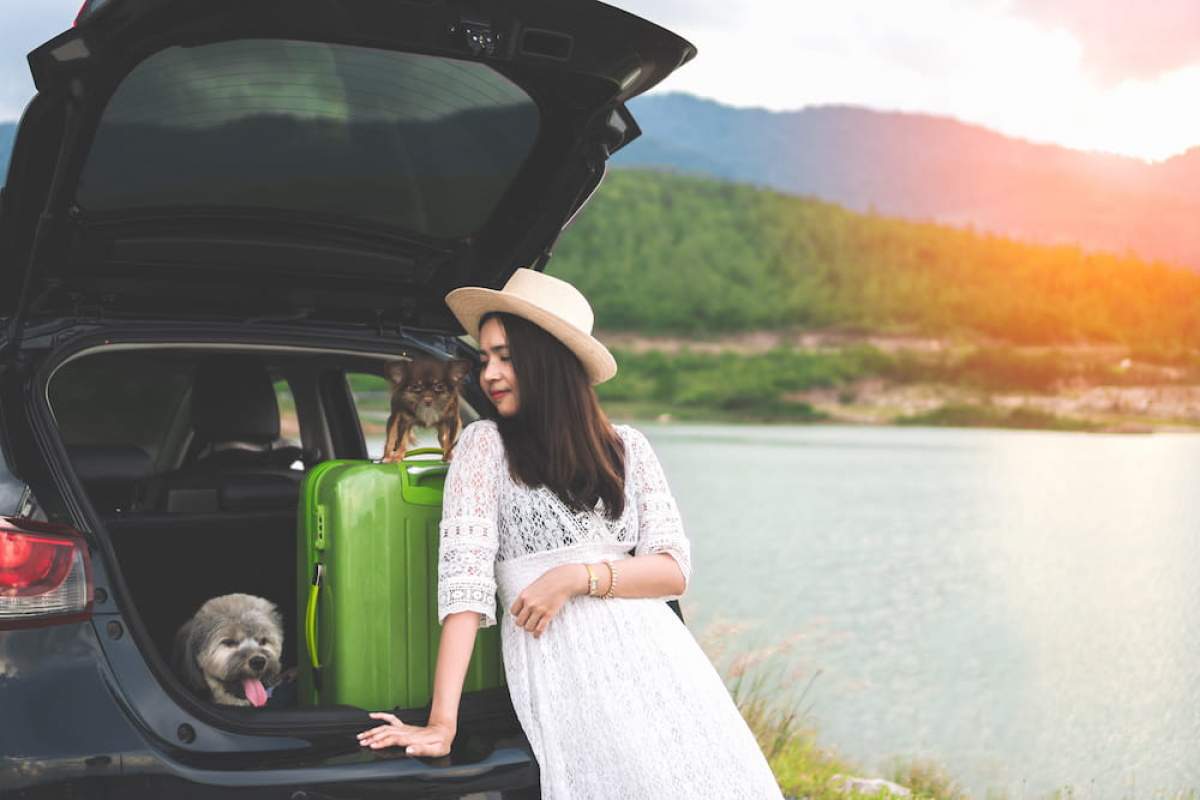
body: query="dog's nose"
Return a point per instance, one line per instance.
(257, 663)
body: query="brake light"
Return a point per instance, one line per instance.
(45, 574)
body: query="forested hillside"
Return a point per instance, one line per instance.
(930, 168)
(667, 253)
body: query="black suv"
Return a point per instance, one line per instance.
(216, 209)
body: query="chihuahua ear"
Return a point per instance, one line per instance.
(458, 369)
(396, 371)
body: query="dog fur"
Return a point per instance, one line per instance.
(424, 394)
(231, 638)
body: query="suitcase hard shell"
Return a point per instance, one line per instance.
(368, 557)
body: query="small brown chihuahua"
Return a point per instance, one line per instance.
(424, 393)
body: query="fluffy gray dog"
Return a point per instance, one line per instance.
(229, 650)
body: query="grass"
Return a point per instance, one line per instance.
(972, 415)
(779, 719)
(748, 386)
(785, 384)
(785, 413)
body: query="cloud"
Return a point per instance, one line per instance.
(26, 24)
(1102, 74)
(980, 61)
(683, 15)
(1125, 40)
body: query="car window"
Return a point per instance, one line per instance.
(422, 143)
(119, 398)
(372, 399)
(10, 488)
(289, 424)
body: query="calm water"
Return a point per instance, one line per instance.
(1021, 607)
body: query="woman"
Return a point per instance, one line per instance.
(545, 504)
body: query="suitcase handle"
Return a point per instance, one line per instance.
(310, 616)
(433, 469)
(424, 451)
(419, 471)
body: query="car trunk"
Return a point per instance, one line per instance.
(161, 563)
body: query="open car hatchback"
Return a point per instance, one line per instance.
(285, 189)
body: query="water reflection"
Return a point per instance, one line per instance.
(1013, 605)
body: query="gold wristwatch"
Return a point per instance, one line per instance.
(593, 581)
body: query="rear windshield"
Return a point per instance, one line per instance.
(119, 398)
(420, 143)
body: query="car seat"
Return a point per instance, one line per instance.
(234, 462)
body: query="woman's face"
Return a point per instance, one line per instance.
(497, 378)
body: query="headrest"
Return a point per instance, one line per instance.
(233, 400)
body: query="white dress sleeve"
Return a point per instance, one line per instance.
(468, 533)
(660, 528)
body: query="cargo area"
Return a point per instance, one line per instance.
(194, 460)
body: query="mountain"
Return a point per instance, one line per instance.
(923, 167)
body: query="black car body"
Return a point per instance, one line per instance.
(297, 180)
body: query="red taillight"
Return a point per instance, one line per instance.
(32, 565)
(78, 16)
(45, 573)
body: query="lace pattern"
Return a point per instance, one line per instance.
(616, 698)
(468, 535)
(489, 517)
(659, 525)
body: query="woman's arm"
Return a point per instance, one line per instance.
(659, 525)
(654, 575)
(662, 563)
(454, 657)
(434, 739)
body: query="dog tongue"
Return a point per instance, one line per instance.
(255, 692)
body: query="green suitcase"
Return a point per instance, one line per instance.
(368, 557)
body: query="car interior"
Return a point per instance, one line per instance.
(195, 472)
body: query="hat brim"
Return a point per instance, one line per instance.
(470, 303)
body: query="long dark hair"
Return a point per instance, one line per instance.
(559, 438)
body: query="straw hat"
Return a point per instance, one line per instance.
(552, 304)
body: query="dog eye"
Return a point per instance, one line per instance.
(264, 641)
(229, 642)
(439, 387)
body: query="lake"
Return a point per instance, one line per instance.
(1022, 608)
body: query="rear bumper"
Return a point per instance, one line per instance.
(144, 775)
(67, 732)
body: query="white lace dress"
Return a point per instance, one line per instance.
(616, 698)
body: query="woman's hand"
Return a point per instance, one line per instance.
(431, 740)
(538, 602)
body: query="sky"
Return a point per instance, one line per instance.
(1109, 75)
